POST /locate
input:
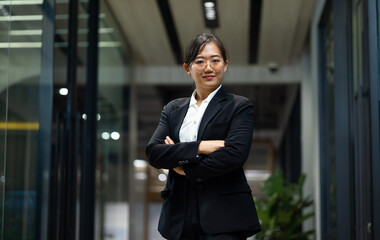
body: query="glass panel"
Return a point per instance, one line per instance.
(59, 107)
(4, 79)
(61, 101)
(330, 86)
(328, 169)
(361, 122)
(20, 167)
(112, 178)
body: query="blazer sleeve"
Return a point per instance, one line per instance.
(161, 155)
(235, 152)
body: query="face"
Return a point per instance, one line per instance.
(208, 68)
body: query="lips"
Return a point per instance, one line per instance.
(209, 77)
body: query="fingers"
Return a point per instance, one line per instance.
(168, 140)
(179, 170)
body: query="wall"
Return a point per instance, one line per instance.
(309, 120)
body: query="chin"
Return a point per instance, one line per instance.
(212, 85)
(208, 85)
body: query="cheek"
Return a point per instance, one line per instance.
(220, 71)
(198, 71)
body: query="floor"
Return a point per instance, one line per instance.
(117, 222)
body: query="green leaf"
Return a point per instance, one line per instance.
(281, 213)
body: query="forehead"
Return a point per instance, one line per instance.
(210, 49)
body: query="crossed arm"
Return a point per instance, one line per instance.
(205, 147)
(204, 159)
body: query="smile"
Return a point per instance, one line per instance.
(209, 77)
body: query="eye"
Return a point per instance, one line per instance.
(199, 62)
(216, 60)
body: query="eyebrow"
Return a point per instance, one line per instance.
(211, 56)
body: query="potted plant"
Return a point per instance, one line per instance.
(281, 212)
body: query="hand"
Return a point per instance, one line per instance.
(179, 170)
(209, 146)
(168, 140)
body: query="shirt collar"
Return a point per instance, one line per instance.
(193, 101)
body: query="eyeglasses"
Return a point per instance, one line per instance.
(203, 63)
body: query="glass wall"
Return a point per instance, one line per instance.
(347, 153)
(20, 68)
(327, 119)
(330, 134)
(111, 207)
(361, 120)
(112, 169)
(20, 61)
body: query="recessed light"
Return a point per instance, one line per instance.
(162, 177)
(209, 4)
(115, 135)
(63, 91)
(210, 14)
(105, 135)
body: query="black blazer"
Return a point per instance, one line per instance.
(225, 199)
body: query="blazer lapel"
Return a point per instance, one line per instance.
(212, 109)
(177, 117)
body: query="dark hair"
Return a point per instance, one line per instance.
(197, 44)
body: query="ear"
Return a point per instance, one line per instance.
(186, 68)
(225, 66)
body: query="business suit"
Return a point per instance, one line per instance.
(225, 200)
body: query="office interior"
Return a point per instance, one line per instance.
(83, 83)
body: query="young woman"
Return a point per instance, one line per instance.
(204, 141)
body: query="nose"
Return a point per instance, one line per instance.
(208, 67)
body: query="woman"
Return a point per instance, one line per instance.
(204, 141)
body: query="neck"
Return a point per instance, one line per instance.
(202, 94)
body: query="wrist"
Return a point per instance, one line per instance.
(200, 148)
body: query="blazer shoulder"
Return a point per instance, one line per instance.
(241, 100)
(174, 104)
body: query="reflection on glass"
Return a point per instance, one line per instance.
(112, 183)
(19, 94)
(330, 193)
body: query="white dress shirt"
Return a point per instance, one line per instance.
(190, 125)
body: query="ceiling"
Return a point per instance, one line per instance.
(255, 32)
(273, 31)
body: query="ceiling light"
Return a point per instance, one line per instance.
(105, 135)
(38, 32)
(80, 16)
(25, 32)
(209, 4)
(115, 135)
(23, 2)
(21, 18)
(104, 44)
(140, 176)
(107, 44)
(162, 177)
(140, 163)
(67, 1)
(85, 31)
(21, 45)
(63, 91)
(210, 13)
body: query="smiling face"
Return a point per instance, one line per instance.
(208, 68)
